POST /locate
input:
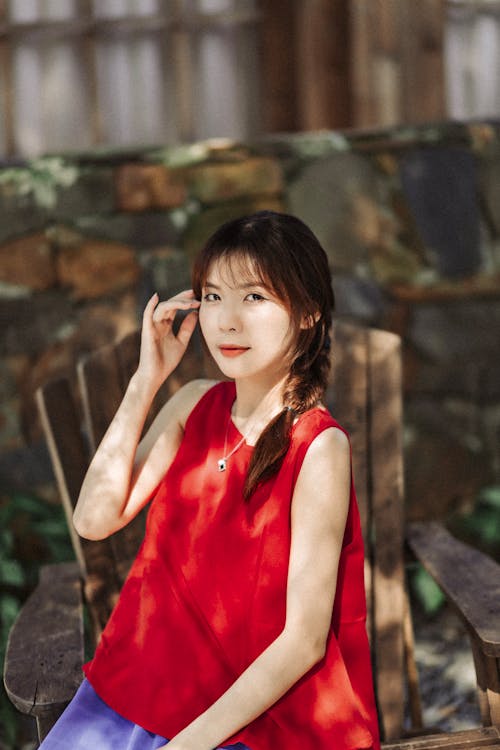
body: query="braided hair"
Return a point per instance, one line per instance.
(289, 259)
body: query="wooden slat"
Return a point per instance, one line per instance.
(101, 379)
(346, 397)
(69, 457)
(68, 453)
(386, 480)
(469, 739)
(470, 579)
(45, 649)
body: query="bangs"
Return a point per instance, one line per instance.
(237, 265)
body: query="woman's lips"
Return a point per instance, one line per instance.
(233, 351)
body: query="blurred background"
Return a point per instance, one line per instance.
(80, 73)
(130, 129)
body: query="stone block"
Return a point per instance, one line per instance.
(27, 326)
(96, 324)
(28, 468)
(440, 186)
(342, 199)
(165, 270)
(141, 230)
(14, 370)
(458, 346)
(20, 215)
(91, 192)
(358, 298)
(28, 262)
(142, 187)
(211, 183)
(205, 223)
(489, 185)
(95, 268)
(446, 462)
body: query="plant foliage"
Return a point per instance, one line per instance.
(32, 532)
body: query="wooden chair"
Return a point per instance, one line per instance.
(46, 645)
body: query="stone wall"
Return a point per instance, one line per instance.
(411, 222)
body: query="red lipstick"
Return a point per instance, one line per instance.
(230, 350)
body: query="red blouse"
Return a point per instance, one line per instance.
(207, 593)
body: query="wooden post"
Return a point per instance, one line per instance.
(363, 96)
(422, 32)
(90, 66)
(6, 84)
(322, 64)
(277, 70)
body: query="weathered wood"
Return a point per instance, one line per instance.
(47, 637)
(102, 383)
(363, 93)
(349, 360)
(322, 78)
(414, 699)
(68, 452)
(469, 739)
(470, 580)
(277, 72)
(69, 456)
(386, 481)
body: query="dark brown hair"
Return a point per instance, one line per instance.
(288, 258)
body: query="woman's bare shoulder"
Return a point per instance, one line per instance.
(186, 398)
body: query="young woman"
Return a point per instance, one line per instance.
(242, 621)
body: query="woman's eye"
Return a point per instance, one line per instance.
(254, 297)
(211, 297)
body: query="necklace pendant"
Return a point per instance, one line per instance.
(221, 463)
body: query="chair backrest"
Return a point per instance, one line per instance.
(364, 395)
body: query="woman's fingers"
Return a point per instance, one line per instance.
(187, 327)
(165, 311)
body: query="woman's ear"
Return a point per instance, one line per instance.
(308, 321)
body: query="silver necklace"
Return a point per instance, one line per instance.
(222, 462)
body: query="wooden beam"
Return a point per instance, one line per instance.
(126, 24)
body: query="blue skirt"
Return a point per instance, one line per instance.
(90, 724)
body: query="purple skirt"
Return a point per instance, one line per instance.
(90, 724)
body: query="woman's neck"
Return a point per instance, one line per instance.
(255, 405)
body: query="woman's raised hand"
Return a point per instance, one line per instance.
(161, 349)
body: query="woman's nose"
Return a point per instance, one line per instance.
(228, 318)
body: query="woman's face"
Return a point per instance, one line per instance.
(248, 330)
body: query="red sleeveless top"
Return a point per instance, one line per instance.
(207, 593)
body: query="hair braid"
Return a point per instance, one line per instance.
(304, 389)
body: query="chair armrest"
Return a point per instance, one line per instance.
(44, 656)
(469, 579)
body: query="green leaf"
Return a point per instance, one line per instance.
(6, 541)
(490, 496)
(11, 573)
(427, 591)
(52, 527)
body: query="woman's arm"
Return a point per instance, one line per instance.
(122, 476)
(319, 512)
